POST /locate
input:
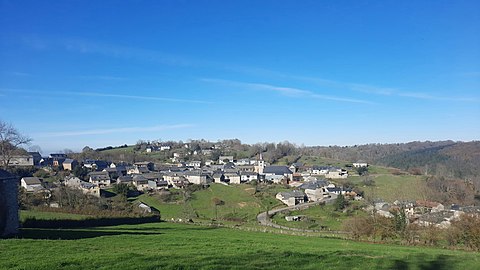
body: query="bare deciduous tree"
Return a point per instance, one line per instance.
(10, 140)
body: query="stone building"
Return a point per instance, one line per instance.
(9, 221)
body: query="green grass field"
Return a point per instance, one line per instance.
(318, 217)
(179, 246)
(239, 202)
(167, 210)
(392, 187)
(314, 160)
(24, 214)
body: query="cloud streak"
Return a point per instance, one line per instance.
(103, 77)
(112, 130)
(107, 95)
(285, 91)
(381, 91)
(85, 46)
(92, 94)
(19, 74)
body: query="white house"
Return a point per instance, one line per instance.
(335, 173)
(233, 177)
(225, 159)
(31, 184)
(284, 171)
(24, 160)
(196, 177)
(360, 163)
(140, 182)
(243, 161)
(85, 187)
(99, 178)
(208, 162)
(291, 198)
(165, 147)
(319, 170)
(195, 164)
(246, 177)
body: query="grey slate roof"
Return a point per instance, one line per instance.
(334, 189)
(293, 193)
(68, 161)
(277, 170)
(436, 217)
(314, 184)
(124, 179)
(32, 180)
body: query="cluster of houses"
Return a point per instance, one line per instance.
(423, 213)
(310, 183)
(313, 189)
(146, 176)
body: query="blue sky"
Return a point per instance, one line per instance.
(99, 73)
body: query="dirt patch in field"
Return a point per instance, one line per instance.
(242, 204)
(250, 190)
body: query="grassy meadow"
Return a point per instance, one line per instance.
(392, 187)
(180, 246)
(238, 202)
(318, 217)
(24, 214)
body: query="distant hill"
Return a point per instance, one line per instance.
(458, 160)
(444, 158)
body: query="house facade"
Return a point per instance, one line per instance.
(20, 160)
(31, 184)
(70, 164)
(336, 173)
(360, 164)
(291, 198)
(278, 171)
(100, 179)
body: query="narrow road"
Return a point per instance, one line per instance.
(264, 217)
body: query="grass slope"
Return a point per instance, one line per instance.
(318, 217)
(167, 210)
(393, 187)
(239, 202)
(178, 246)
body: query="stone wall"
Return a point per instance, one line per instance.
(9, 221)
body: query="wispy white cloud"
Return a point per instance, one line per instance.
(79, 45)
(18, 74)
(92, 94)
(99, 94)
(382, 91)
(111, 130)
(102, 77)
(471, 74)
(286, 91)
(431, 97)
(86, 46)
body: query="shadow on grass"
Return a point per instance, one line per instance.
(107, 193)
(422, 262)
(71, 234)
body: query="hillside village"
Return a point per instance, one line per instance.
(187, 166)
